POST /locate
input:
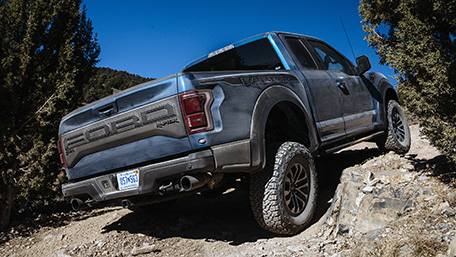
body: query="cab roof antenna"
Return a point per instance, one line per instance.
(348, 39)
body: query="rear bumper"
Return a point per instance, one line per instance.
(103, 188)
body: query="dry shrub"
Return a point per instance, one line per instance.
(414, 244)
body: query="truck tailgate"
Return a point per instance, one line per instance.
(138, 125)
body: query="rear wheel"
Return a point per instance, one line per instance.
(283, 196)
(397, 136)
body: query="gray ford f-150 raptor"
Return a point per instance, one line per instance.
(259, 110)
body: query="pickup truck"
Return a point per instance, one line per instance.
(257, 111)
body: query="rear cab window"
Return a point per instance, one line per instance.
(256, 55)
(300, 52)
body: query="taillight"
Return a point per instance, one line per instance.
(61, 152)
(196, 109)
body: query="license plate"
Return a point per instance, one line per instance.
(128, 179)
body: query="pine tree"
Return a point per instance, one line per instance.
(417, 39)
(47, 53)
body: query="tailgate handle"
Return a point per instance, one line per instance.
(107, 110)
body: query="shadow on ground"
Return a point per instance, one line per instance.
(56, 215)
(438, 167)
(224, 218)
(228, 217)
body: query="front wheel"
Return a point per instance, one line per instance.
(397, 134)
(283, 196)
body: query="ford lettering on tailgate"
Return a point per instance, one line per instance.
(159, 118)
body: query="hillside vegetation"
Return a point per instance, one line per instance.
(47, 53)
(418, 40)
(107, 81)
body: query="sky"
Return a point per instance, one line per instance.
(154, 38)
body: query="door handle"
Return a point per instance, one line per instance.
(341, 84)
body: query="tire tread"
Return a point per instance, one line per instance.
(266, 189)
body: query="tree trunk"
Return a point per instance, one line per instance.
(6, 206)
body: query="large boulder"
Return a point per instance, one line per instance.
(392, 208)
(367, 197)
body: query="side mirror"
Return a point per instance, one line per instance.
(363, 64)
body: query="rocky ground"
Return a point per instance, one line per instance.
(370, 205)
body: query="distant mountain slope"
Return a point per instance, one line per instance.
(107, 81)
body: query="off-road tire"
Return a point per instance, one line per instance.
(397, 134)
(271, 190)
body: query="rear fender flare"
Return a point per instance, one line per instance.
(264, 104)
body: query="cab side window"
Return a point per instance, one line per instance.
(301, 53)
(331, 60)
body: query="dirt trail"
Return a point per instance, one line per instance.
(197, 226)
